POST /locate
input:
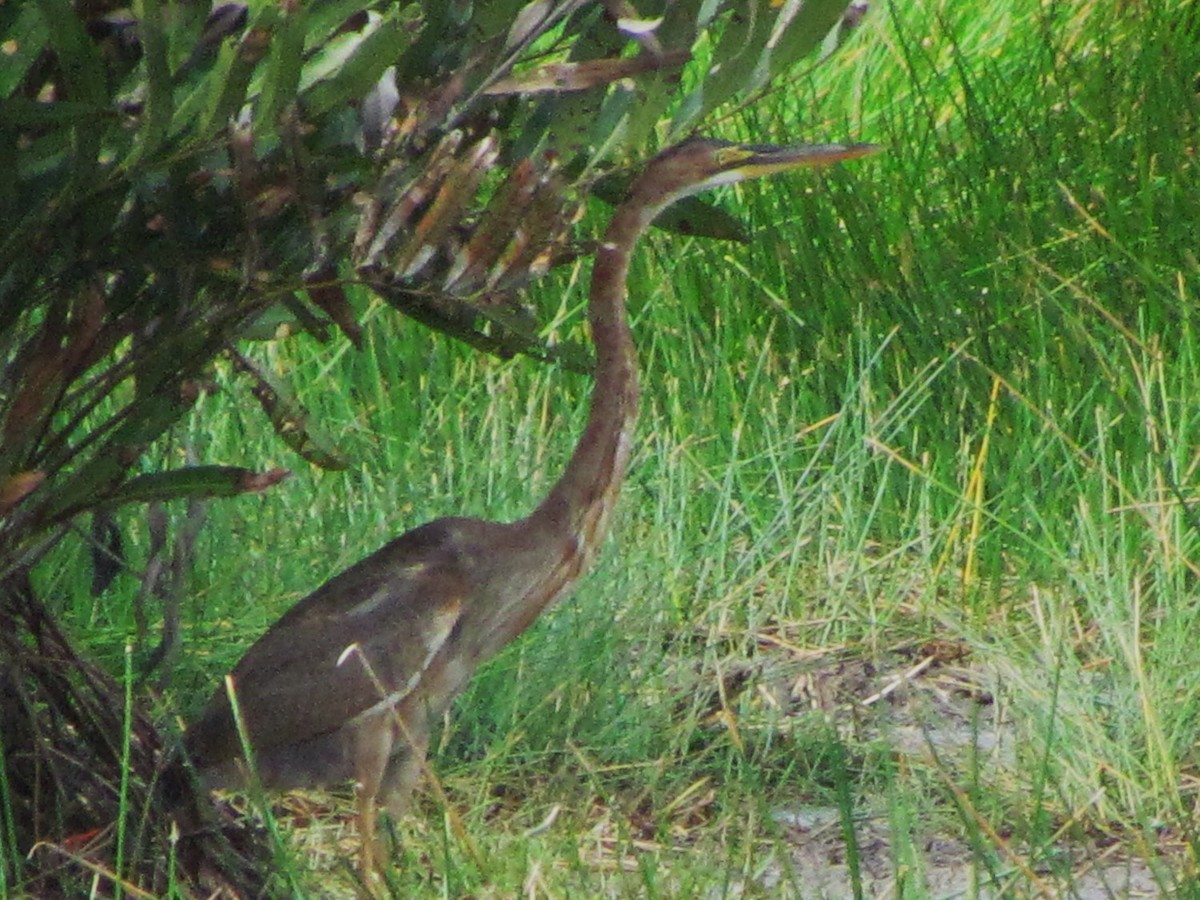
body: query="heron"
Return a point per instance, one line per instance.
(347, 685)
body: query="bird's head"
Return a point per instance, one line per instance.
(698, 164)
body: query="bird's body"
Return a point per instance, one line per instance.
(347, 684)
(419, 586)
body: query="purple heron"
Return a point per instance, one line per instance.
(348, 683)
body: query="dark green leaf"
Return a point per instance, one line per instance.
(24, 43)
(759, 39)
(194, 482)
(160, 101)
(352, 64)
(78, 59)
(21, 113)
(231, 94)
(282, 78)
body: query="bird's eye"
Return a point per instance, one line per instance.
(728, 156)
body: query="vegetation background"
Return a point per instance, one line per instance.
(902, 597)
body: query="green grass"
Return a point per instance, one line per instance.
(941, 412)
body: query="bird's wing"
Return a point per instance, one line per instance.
(363, 638)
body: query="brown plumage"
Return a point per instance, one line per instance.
(347, 684)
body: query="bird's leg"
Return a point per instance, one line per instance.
(373, 747)
(400, 779)
(370, 856)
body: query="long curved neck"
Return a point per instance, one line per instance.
(586, 491)
(549, 549)
(546, 552)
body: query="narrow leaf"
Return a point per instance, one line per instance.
(326, 291)
(351, 78)
(160, 103)
(194, 482)
(77, 54)
(282, 79)
(228, 93)
(289, 418)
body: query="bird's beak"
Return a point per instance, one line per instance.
(764, 159)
